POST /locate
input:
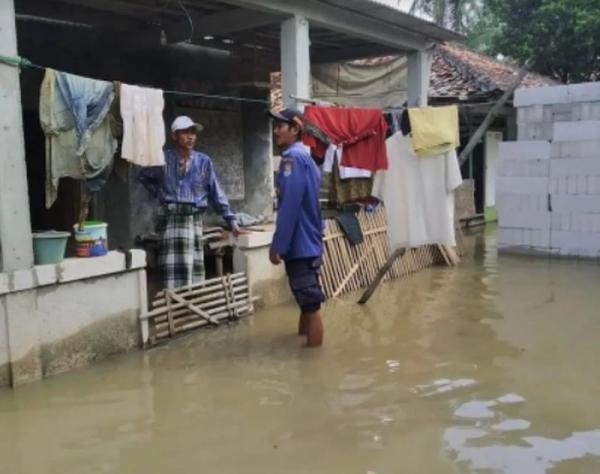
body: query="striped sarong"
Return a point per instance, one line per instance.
(181, 252)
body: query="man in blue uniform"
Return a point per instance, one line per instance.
(298, 236)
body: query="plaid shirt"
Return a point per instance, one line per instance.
(198, 185)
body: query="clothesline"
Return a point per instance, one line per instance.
(27, 64)
(324, 103)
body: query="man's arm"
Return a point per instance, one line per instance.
(292, 185)
(150, 177)
(218, 199)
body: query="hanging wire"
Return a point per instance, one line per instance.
(217, 96)
(25, 63)
(189, 19)
(165, 6)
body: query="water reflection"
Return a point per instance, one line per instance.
(493, 444)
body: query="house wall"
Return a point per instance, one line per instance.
(549, 180)
(235, 137)
(54, 318)
(4, 348)
(258, 157)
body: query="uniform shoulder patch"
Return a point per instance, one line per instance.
(287, 167)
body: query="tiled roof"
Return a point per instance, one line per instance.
(456, 72)
(461, 72)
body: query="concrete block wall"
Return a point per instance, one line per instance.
(548, 181)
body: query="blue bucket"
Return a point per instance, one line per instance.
(49, 247)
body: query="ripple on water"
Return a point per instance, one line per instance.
(512, 425)
(533, 455)
(510, 398)
(476, 409)
(443, 386)
(497, 447)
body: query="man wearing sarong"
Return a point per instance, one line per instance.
(185, 187)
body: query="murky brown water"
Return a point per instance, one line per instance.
(492, 367)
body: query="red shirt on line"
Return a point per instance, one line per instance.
(360, 131)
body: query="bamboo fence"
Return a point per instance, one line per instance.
(208, 303)
(348, 267)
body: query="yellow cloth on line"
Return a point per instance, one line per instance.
(435, 130)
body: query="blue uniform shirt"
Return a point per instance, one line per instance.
(299, 222)
(198, 186)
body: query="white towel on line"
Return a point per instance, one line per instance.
(143, 125)
(335, 151)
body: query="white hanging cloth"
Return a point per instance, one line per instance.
(335, 152)
(418, 194)
(143, 125)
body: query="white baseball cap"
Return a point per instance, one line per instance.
(183, 122)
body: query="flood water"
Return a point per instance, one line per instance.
(490, 367)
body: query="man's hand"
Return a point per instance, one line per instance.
(274, 257)
(236, 230)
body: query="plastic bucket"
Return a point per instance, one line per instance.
(49, 246)
(92, 241)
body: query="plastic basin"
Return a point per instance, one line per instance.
(49, 246)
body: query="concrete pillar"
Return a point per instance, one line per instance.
(15, 224)
(295, 60)
(419, 73)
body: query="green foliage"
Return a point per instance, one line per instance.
(484, 31)
(454, 14)
(561, 37)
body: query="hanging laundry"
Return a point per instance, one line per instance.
(121, 167)
(435, 130)
(143, 125)
(418, 193)
(347, 218)
(314, 131)
(405, 127)
(114, 114)
(79, 142)
(393, 119)
(361, 133)
(333, 156)
(89, 101)
(342, 191)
